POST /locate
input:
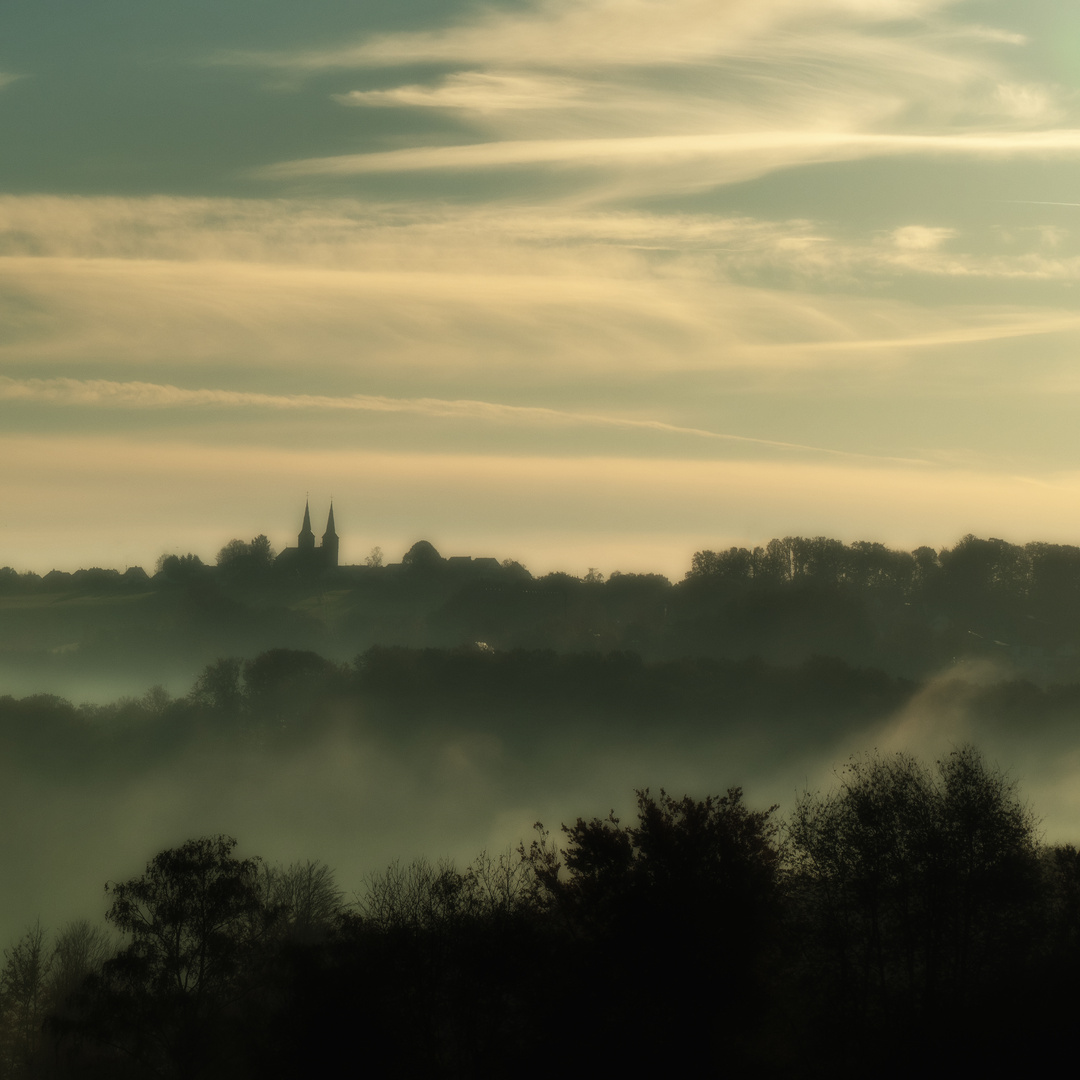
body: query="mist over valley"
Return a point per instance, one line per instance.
(435, 708)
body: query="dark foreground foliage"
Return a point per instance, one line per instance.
(909, 915)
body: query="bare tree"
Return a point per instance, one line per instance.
(306, 897)
(81, 949)
(23, 1000)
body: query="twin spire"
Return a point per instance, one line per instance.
(306, 540)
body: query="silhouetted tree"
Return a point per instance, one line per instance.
(516, 571)
(196, 922)
(282, 685)
(684, 898)
(305, 898)
(919, 886)
(219, 688)
(178, 568)
(10, 582)
(191, 917)
(422, 556)
(262, 552)
(81, 950)
(24, 982)
(246, 560)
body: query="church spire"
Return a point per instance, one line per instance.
(330, 540)
(306, 540)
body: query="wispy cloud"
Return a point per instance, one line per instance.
(6, 79)
(477, 91)
(921, 237)
(142, 395)
(1021, 324)
(713, 159)
(681, 95)
(553, 299)
(104, 234)
(356, 292)
(553, 33)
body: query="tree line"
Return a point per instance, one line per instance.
(907, 613)
(1036, 568)
(912, 907)
(284, 697)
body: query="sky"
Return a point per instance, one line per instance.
(575, 282)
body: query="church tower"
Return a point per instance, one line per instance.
(330, 541)
(306, 540)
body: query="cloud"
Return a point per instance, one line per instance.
(558, 33)
(477, 91)
(142, 395)
(679, 96)
(503, 238)
(683, 162)
(570, 316)
(1020, 324)
(355, 234)
(464, 320)
(6, 79)
(921, 237)
(355, 292)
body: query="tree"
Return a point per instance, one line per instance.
(422, 556)
(233, 555)
(192, 918)
(712, 854)
(241, 559)
(283, 685)
(81, 949)
(262, 552)
(173, 999)
(452, 963)
(23, 1000)
(684, 898)
(422, 897)
(219, 688)
(10, 581)
(156, 701)
(736, 565)
(179, 567)
(416, 897)
(305, 896)
(375, 557)
(515, 571)
(918, 885)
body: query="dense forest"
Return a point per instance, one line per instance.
(901, 904)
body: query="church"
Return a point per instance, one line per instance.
(306, 558)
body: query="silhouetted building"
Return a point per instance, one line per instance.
(330, 541)
(306, 540)
(306, 558)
